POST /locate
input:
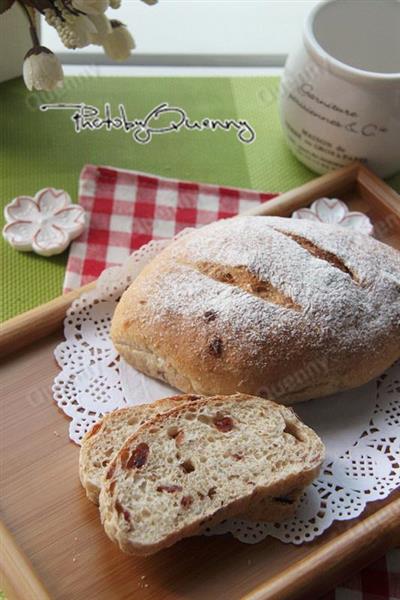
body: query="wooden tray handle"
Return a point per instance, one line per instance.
(18, 580)
(335, 182)
(37, 323)
(335, 560)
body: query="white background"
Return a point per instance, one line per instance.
(202, 32)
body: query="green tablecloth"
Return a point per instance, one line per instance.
(40, 149)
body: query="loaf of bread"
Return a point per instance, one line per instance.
(200, 463)
(283, 308)
(107, 436)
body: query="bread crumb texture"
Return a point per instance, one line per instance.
(181, 469)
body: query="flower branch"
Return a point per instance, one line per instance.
(79, 23)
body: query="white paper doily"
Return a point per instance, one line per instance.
(360, 428)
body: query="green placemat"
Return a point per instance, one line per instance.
(40, 149)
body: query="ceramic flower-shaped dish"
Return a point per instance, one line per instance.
(45, 223)
(332, 210)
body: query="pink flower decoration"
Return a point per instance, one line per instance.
(45, 223)
(332, 210)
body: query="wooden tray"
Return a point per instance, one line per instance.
(52, 539)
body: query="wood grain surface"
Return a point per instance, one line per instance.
(17, 576)
(35, 324)
(54, 544)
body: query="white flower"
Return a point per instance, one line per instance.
(78, 31)
(45, 224)
(42, 70)
(103, 28)
(119, 42)
(74, 30)
(332, 210)
(91, 7)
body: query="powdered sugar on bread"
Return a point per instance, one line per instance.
(330, 297)
(267, 297)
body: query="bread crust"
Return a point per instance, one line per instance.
(310, 309)
(111, 495)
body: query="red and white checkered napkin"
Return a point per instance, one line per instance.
(126, 209)
(379, 581)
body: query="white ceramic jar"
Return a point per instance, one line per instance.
(340, 93)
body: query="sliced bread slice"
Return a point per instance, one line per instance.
(200, 463)
(107, 436)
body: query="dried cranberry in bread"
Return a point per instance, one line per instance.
(106, 438)
(283, 308)
(180, 470)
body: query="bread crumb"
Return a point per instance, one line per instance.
(146, 585)
(56, 433)
(76, 538)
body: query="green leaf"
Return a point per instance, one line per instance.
(5, 5)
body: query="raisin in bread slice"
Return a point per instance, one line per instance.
(107, 436)
(201, 463)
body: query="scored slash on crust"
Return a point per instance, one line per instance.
(220, 313)
(241, 277)
(320, 253)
